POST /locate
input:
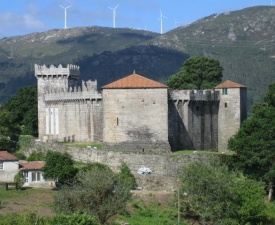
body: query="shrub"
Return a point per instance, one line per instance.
(25, 141)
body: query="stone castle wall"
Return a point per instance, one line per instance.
(164, 167)
(193, 119)
(135, 119)
(143, 119)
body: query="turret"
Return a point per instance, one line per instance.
(49, 79)
(232, 111)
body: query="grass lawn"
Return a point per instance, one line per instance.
(83, 144)
(30, 200)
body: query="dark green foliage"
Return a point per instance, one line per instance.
(73, 219)
(19, 179)
(198, 72)
(254, 143)
(9, 131)
(96, 191)
(214, 193)
(59, 167)
(19, 155)
(270, 96)
(37, 156)
(23, 107)
(25, 141)
(126, 177)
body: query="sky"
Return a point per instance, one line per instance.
(20, 17)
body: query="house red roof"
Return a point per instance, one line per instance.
(5, 156)
(229, 84)
(34, 165)
(134, 81)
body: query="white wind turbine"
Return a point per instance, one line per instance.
(65, 9)
(161, 18)
(114, 15)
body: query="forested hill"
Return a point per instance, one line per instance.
(243, 41)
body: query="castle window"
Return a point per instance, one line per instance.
(117, 121)
(225, 105)
(224, 91)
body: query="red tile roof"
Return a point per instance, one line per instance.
(229, 84)
(5, 156)
(134, 81)
(34, 165)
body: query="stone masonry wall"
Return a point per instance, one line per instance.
(164, 167)
(136, 119)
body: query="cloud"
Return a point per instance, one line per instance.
(13, 24)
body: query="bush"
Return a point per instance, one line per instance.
(37, 156)
(223, 197)
(25, 141)
(125, 176)
(19, 179)
(96, 191)
(74, 219)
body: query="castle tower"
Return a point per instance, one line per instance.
(232, 111)
(51, 80)
(135, 112)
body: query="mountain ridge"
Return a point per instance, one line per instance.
(243, 41)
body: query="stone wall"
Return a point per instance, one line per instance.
(136, 119)
(193, 124)
(164, 167)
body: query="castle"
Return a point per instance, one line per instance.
(136, 113)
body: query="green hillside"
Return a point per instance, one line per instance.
(243, 41)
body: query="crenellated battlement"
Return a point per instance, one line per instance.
(53, 71)
(195, 95)
(71, 96)
(87, 91)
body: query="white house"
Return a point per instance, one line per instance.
(8, 167)
(34, 175)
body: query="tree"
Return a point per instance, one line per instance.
(9, 131)
(254, 143)
(97, 190)
(198, 72)
(217, 195)
(126, 177)
(23, 107)
(59, 167)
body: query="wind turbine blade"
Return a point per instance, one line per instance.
(110, 8)
(117, 6)
(68, 6)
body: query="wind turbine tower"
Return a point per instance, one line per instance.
(114, 15)
(65, 9)
(161, 18)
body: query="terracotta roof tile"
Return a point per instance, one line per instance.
(34, 165)
(5, 156)
(134, 81)
(229, 84)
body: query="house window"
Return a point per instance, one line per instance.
(1, 165)
(225, 104)
(224, 91)
(36, 176)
